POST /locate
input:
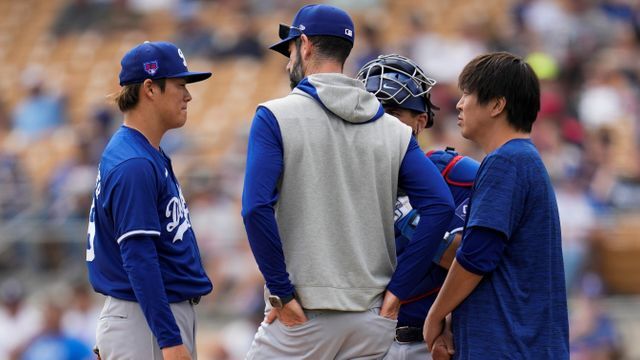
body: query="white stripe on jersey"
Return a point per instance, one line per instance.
(138, 232)
(456, 230)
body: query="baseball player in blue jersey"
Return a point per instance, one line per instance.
(141, 250)
(324, 164)
(404, 90)
(506, 285)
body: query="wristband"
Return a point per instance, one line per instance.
(444, 245)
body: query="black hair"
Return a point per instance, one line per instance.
(332, 47)
(504, 75)
(395, 106)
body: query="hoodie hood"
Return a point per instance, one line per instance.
(345, 97)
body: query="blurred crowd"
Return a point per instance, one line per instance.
(584, 51)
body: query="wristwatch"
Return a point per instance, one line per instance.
(278, 302)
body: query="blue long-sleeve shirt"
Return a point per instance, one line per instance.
(418, 177)
(140, 261)
(140, 245)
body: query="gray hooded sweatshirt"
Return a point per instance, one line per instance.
(342, 156)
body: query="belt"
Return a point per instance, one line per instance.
(194, 301)
(408, 334)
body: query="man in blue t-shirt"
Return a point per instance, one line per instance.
(506, 286)
(141, 251)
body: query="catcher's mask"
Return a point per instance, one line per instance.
(397, 81)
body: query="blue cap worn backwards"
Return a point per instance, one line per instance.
(313, 20)
(156, 60)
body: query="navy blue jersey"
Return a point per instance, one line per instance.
(522, 302)
(459, 173)
(137, 194)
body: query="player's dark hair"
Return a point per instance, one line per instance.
(128, 97)
(504, 75)
(413, 113)
(332, 48)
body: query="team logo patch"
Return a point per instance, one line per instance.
(151, 67)
(463, 209)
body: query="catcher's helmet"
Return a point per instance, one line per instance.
(397, 81)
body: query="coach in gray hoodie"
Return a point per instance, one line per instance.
(324, 165)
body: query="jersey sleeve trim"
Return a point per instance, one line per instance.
(421, 296)
(137, 232)
(456, 230)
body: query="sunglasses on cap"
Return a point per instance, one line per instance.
(285, 30)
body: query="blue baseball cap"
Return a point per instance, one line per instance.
(156, 60)
(313, 20)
